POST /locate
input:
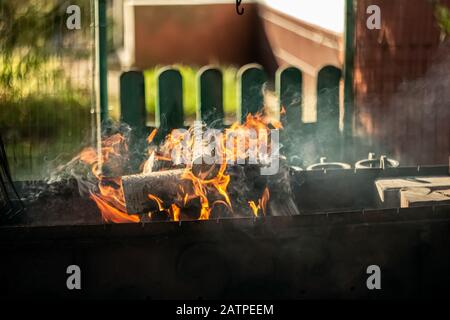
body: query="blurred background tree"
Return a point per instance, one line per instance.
(31, 32)
(442, 14)
(45, 82)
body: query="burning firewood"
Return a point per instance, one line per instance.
(152, 191)
(161, 184)
(158, 191)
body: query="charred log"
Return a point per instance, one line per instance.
(162, 185)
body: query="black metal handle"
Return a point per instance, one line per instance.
(10, 203)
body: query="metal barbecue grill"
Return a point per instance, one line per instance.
(10, 204)
(319, 253)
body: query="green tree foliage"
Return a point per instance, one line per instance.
(442, 14)
(30, 32)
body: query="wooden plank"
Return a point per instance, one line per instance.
(251, 80)
(133, 113)
(329, 137)
(349, 65)
(132, 99)
(289, 85)
(419, 197)
(102, 56)
(289, 88)
(210, 93)
(389, 189)
(169, 102)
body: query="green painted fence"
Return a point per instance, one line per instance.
(302, 142)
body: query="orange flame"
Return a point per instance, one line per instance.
(152, 136)
(202, 186)
(158, 201)
(175, 212)
(254, 207)
(110, 197)
(262, 203)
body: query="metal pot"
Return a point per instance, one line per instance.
(373, 162)
(323, 165)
